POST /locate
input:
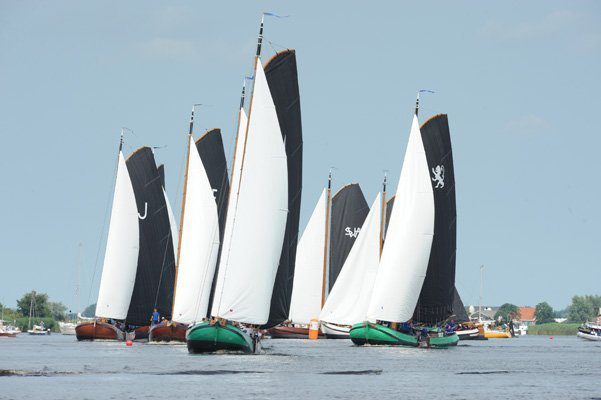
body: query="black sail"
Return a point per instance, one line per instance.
(282, 78)
(155, 275)
(161, 169)
(212, 155)
(459, 308)
(389, 205)
(435, 303)
(349, 210)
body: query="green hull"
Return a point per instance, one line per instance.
(206, 338)
(376, 334)
(444, 341)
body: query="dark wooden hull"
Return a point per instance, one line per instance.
(290, 332)
(142, 333)
(97, 331)
(174, 332)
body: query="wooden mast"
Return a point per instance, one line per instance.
(383, 215)
(325, 243)
(181, 220)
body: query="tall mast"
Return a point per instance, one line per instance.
(417, 104)
(383, 214)
(258, 53)
(325, 243)
(480, 299)
(181, 219)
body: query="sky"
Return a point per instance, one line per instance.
(519, 81)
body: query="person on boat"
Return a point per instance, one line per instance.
(405, 327)
(155, 318)
(511, 330)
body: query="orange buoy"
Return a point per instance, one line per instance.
(314, 329)
(129, 343)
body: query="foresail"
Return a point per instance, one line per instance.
(305, 303)
(348, 301)
(251, 254)
(408, 240)
(121, 254)
(199, 244)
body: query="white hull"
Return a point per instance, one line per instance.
(67, 328)
(335, 331)
(588, 336)
(467, 333)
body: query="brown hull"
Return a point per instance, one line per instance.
(97, 331)
(167, 333)
(290, 332)
(142, 333)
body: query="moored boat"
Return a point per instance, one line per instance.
(590, 331)
(496, 334)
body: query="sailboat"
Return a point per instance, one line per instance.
(347, 303)
(416, 276)
(205, 192)
(324, 246)
(138, 269)
(254, 231)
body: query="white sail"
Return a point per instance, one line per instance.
(348, 301)
(122, 246)
(408, 240)
(305, 303)
(199, 244)
(173, 224)
(258, 213)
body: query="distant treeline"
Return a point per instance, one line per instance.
(43, 310)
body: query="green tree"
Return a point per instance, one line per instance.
(90, 311)
(544, 313)
(507, 311)
(58, 310)
(582, 309)
(41, 304)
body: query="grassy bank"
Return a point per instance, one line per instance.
(553, 329)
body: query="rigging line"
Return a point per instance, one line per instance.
(156, 298)
(108, 201)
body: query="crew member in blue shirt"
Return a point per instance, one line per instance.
(156, 317)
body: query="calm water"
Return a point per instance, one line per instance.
(58, 367)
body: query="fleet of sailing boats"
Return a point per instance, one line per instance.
(379, 275)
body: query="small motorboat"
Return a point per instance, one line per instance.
(334, 331)
(39, 330)
(590, 331)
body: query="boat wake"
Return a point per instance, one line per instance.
(361, 372)
(483, 372)
(24, 373)
(211, 372)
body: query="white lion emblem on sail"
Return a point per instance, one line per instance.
(438, 176)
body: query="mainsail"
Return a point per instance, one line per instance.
(199, 243)
(121, 254)
(258, 213)
(306, 301)
(156, 259)
(459, 308)
(348, 301)
(282, 78)
(435, 302)
(349, 210)
(212, 155)
(409, 238)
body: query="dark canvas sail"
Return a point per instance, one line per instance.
(389, 205)
(161, 169)
(155, 275)
(459, 308)
(282, 79)
(212, 155)
(435, 302)
(349, 210)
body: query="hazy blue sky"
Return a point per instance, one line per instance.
(520, 83)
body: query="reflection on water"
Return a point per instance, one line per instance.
(58, 367)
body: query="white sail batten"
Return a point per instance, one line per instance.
(199, 244)
(257, 212)
(409, 236)
(173, 224)
(122, 247)
(348, 301)
(305, 303)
